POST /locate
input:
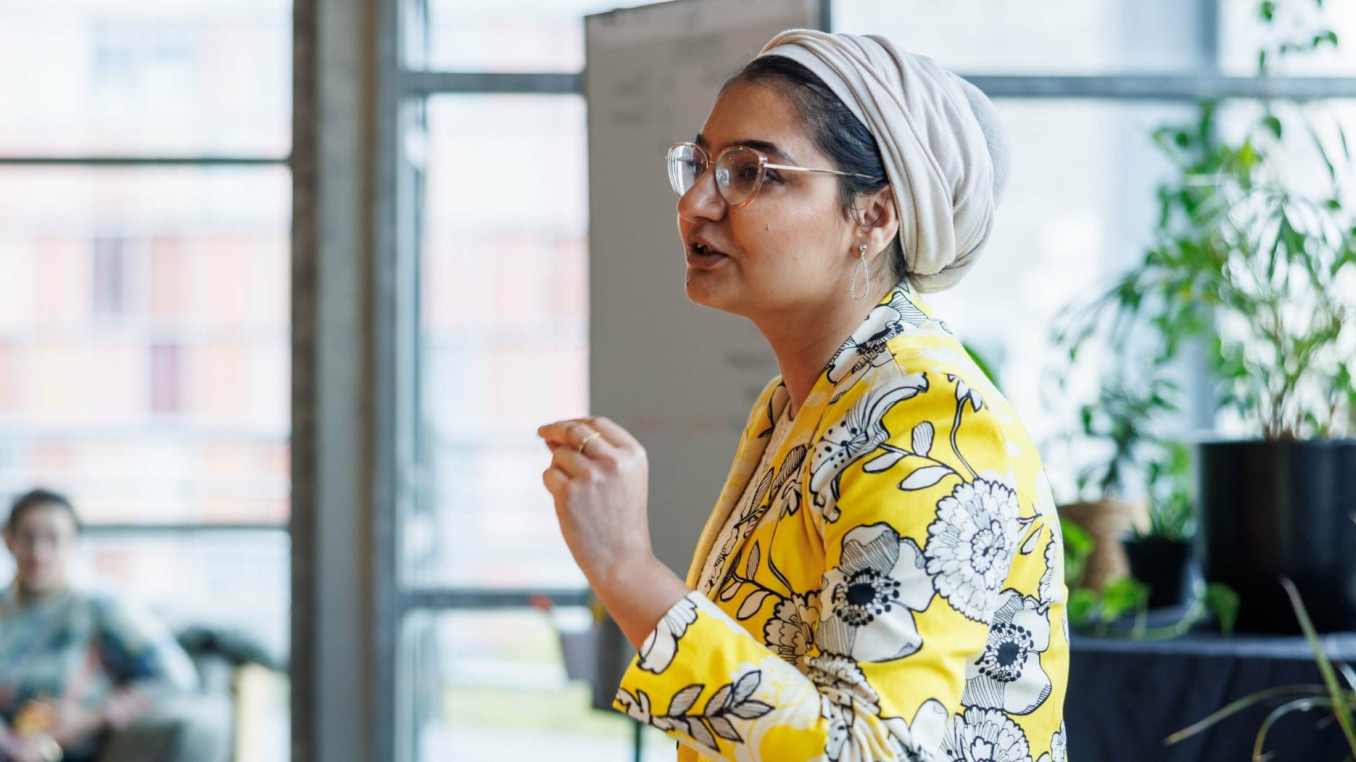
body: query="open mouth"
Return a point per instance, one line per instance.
(700, 254)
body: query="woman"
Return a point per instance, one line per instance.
(73, 665)
(881, 577)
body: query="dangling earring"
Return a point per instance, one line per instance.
(866, 273)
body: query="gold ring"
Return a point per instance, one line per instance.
(588, 439)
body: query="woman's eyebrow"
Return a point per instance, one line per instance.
(771, 149)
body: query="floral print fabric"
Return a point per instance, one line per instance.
(886, 585)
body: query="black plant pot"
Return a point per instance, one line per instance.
(1163, 565)
(1281, 508)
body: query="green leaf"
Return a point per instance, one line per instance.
(1340, 708)
(1237, 706)
(1223, 602)
(1328, 163)
(1297, 705)
(1076, 541)
(1273, 123)
(1121, 596)
(1268, 11)
(1082, 604)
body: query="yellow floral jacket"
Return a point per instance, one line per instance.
(890, 587)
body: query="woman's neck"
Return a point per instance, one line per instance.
(806, 340)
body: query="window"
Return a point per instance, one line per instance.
(144, 341)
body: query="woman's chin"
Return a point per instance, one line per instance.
(704, 291)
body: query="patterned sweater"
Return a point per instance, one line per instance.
(80, 646)
(887, 586)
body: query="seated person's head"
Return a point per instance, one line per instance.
(42, 534)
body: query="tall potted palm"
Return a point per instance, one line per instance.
(1262, 268)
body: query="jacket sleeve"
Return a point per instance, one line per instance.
(911, 487)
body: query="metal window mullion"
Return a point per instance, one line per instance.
(1142, 87)
(145, 161)
(1165, 87)
(453, 599)
(111, 529)
(422, 83)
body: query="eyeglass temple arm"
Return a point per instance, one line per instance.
(789, 168)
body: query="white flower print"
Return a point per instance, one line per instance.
(747, 513)
(971, 544)
(985, 735)
(786, 487)
(1053, 578)
(844, 695)
(791, 630)
(1058, 747)
(1046, 589)
(657, 652)
(918, 741)
(870, 597)
(860, 432)
(865, 348)
(964, 393)
(637, 706)
(1008, 675)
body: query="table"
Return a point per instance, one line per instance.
(1126, 696)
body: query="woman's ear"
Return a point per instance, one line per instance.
(878, 219)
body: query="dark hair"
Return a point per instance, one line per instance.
(40, 498)
(836, 130)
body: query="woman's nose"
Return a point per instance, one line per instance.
(702, 200)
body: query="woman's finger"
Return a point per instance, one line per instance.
(612, 432)
(565, 433)
(570, 461)
(554, 478)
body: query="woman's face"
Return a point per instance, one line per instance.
(43, 544)
(791, 248)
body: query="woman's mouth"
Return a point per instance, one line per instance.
(701, 256)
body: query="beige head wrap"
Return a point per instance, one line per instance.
(944, 153)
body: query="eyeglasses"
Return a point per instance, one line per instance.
(740, 171)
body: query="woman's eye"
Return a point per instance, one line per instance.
(749, 174)
(772, 176)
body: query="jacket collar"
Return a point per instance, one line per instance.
(901, 311)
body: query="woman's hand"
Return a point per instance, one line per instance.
(599, 477)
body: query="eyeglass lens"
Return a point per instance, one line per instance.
(738, 172)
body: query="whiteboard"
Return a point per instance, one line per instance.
(680, 377)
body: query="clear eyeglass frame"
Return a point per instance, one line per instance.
(688, 163)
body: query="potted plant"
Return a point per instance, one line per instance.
(1160, 554)
(1262, 268)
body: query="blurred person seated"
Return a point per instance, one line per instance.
(80, 671)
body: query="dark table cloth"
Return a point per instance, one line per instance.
(1126, 696)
